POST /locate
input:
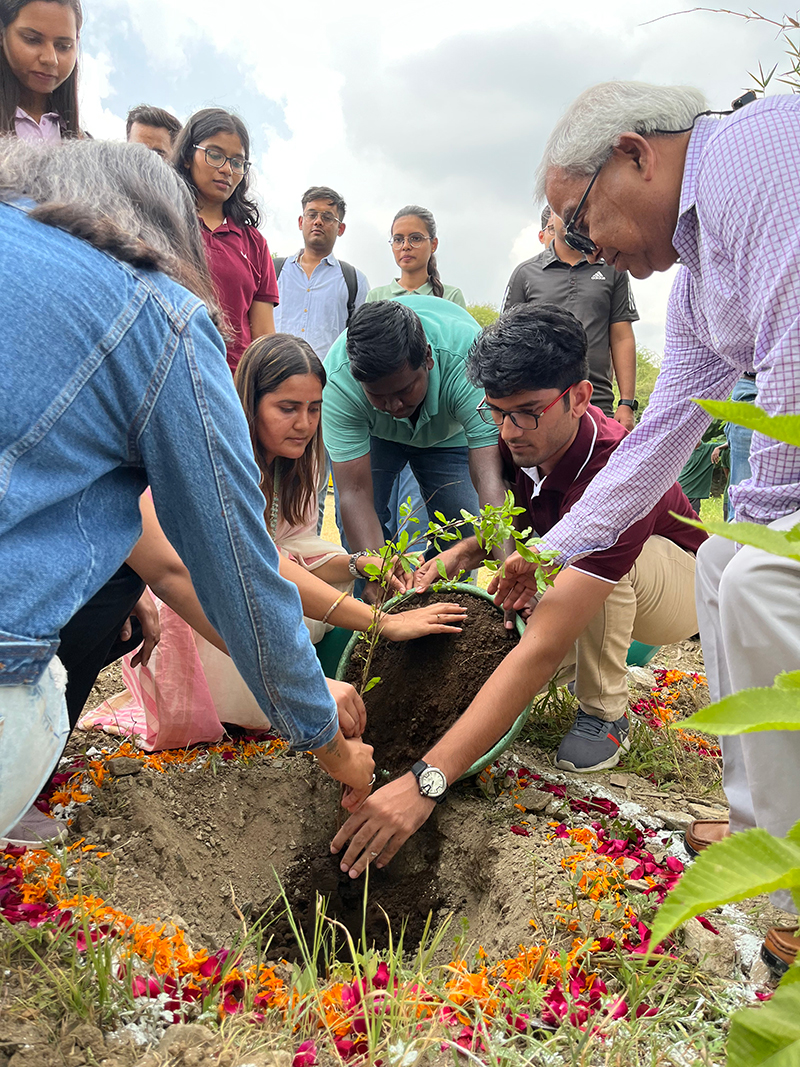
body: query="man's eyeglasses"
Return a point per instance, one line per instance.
(580, 242)
(217, 159)
(397, 240)
(523, 420)
(326, 217)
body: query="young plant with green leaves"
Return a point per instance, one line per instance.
(494, 528)
(753, 861)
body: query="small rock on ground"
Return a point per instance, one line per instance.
(715, 953)
(674, 820)
(120, 766)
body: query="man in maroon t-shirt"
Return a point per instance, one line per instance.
(532, 365)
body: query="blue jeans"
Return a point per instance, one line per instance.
(406, 487)
(739, 437)
(442, 473)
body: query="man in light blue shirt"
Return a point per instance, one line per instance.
(315, 297)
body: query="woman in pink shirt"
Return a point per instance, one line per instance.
(211, 154)
(39, 68)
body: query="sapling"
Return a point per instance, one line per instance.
(494, 528)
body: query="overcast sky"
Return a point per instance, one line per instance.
(445, 104)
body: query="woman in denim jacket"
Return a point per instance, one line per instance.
(114, 377)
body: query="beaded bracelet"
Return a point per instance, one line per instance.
(333, 607)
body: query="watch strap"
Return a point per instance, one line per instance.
(633, 404)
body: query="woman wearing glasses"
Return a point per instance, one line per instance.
(414, 243)
(211, 155)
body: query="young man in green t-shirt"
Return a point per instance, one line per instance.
(397, 393)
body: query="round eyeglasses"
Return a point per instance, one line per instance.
(217, 159)
(523, 420)
(397, 240)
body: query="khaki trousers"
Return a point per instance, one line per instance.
(653, 603)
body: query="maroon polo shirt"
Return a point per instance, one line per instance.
(596, 439)
(242, 271)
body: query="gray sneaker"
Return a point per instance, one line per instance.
(34, 830)
(593, 745)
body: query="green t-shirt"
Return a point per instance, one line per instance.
(395, 289)
(448, 418)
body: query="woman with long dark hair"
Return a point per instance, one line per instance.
(39, 68)
(414, 243)
(212, 155)
(191, 688)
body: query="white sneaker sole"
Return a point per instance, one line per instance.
(606, 765)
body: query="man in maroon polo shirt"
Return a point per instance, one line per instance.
(553, 441)
(532, 365)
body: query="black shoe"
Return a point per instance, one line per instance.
(592, 744)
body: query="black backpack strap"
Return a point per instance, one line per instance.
(351, 281)
(278, 262)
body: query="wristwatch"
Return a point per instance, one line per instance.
(633, 404)
(352, 566)
(431, 781)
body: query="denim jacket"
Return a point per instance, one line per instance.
(113, 377)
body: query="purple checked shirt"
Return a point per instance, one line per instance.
(734, 307)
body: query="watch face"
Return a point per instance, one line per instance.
(432, 783)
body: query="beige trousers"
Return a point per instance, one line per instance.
(653, 603)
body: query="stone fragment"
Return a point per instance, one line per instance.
(620, 781)
(707, 811)
(184, 1036)
(714, 953)
(673, 820)
(629, 864)
(535, 801)
(636, 885)
(121, 766)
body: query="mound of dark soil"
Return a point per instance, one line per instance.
(426, 684)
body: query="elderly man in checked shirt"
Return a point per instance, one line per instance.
(645, 177)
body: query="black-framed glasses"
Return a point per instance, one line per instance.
(325, 217)
(397, 240)
(580, 242)
(523, 420)
(217, 159)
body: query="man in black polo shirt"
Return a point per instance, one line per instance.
(601, 299)
(532, 366)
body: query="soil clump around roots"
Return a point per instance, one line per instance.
(425, 685)
(210, 845)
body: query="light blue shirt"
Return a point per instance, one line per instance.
(315, 308)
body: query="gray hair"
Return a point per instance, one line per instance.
(120, 198)
(586, 134)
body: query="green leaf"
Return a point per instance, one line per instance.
(788, 680)
(780, 427)
(440, 567)
(751, 710)
(371, 685)
(735, 868)
(372, 570)
(778, 542)
(767, 1036)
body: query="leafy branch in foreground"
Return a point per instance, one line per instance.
(753, 861)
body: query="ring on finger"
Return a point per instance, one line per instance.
(372, 855)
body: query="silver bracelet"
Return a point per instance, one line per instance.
(352, 566)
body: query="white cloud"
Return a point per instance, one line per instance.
(440, 102)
